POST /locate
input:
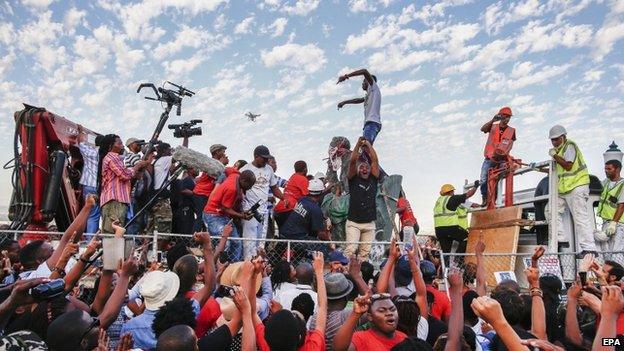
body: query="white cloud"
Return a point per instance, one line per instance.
(495, 17)
(402, 87)
(605, 38)
(72, 18)
(219, 22)
(31, 37)
(361, 6)
(6, 63)
(6, 33)
(451, 106)
(278, 26)
(522, 75)
(93, 54)
(37, 3)
(301, 7)
(538, 38)
(244, 27)
(183, 67)
(310, 58)
(394, 60)
(327, 30)
(593, 75)
(488, 57)
(191, 37)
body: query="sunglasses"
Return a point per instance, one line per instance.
(382, 296)
(94, 324)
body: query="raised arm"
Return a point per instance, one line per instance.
(612, 305)
(419, 282)
(74, 275)
(355, 272)
(488, 125)
(374, 159)
(342, 340)
(360, 72)
(115, 301)
(388, 269)
(242, 303)
(573, 332)
(351, 101)
(456, 320)
(321, 312)
(481, 274)
(490, 311)
(20, 296)
(538, 311)
(227, 231)
(354, 157)
(209, 268)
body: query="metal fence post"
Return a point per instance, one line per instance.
(155, 245)
(553, 204)
(288, 251)
(446, 286)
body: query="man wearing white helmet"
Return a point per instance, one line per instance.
(306, 221)
(573, 186)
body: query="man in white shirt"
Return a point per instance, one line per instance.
(305, 279)
(160, 214)
(258, 194)
(372, 103)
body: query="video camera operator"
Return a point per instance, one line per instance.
(159, 217)
(186, 130)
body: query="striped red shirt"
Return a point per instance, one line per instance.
(116, 179)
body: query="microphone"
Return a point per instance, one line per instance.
(198, 161)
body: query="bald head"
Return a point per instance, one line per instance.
(177, 338)
(305, 273)
(186, 267)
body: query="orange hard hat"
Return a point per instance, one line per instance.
(505, 111)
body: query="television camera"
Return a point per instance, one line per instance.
(186, 129)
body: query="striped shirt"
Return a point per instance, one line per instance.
(90, 158)
(116, 179)
(131, 159)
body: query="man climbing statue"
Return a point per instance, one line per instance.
(372, 103)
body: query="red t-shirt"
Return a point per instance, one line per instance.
(227, 194)
(407, 215)
(207, 317)
(441, 304)
(204, 185)
(296, 188)
(314, 341)
(370, 340)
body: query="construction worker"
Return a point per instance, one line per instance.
(611, 208)
(573, 186)
(499, 132)
(446, 218)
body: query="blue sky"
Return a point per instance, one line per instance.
(444, 69)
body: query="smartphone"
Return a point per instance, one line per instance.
(583, 276)
(225, 291)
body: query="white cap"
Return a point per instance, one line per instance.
(557, 131)
(320, 175)
(159, 287)
(316, 186)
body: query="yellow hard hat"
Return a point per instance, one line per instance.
(446, 188)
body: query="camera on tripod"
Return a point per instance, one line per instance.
(186, 129)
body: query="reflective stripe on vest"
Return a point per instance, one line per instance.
(462, 216)
(607, 208)
(577, 175)
(495, 137)
(442, 217)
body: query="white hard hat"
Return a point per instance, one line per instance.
(316, 186)
(557, 131)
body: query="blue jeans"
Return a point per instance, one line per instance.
(485, 168)
(371, 129)
(214, 224)
(137, 226)
(93, 222)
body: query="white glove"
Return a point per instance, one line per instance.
(552, 152)
(611, 228)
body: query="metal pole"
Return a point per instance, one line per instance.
(446, 286)
(155, 246)
(553, 204)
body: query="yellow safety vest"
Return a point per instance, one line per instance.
(442, 217)
(462, 215)
(577, 175)
(606, 207)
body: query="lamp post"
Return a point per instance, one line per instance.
(613, 153)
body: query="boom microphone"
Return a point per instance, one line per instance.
(198, 161)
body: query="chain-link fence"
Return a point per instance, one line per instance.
(511, 266)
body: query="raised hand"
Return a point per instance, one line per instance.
(395, 251)
(258, 264)
(355, 266)
(455, 278)
(129, 267)
(91, 200)
(480, 246)
(318, 262)
(413, 253)
(361, 304)
(612, 301)
(532, 275)
(126, 343)
(539, 252)
(586, 262)
(342, 78)
(202, 238)
(227, 230)
(103, 341)
(543, 345)
(93, 246)
(240, 300)
(575, 290)
(488, 309)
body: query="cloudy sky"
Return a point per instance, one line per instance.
(444, 68)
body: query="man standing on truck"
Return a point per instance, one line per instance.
(611, 208)
(500, 137)
(573, 186)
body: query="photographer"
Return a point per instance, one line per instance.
(159, 217)
(499, 130)
(224, 206)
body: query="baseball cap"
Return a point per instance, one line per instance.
(402, 272)
(216, 147)
(131, 141)
(262, 151)
(337, 256)
(427, 268)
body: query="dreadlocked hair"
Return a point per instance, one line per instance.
(106, 144)
(409, 315)
(280, 274)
